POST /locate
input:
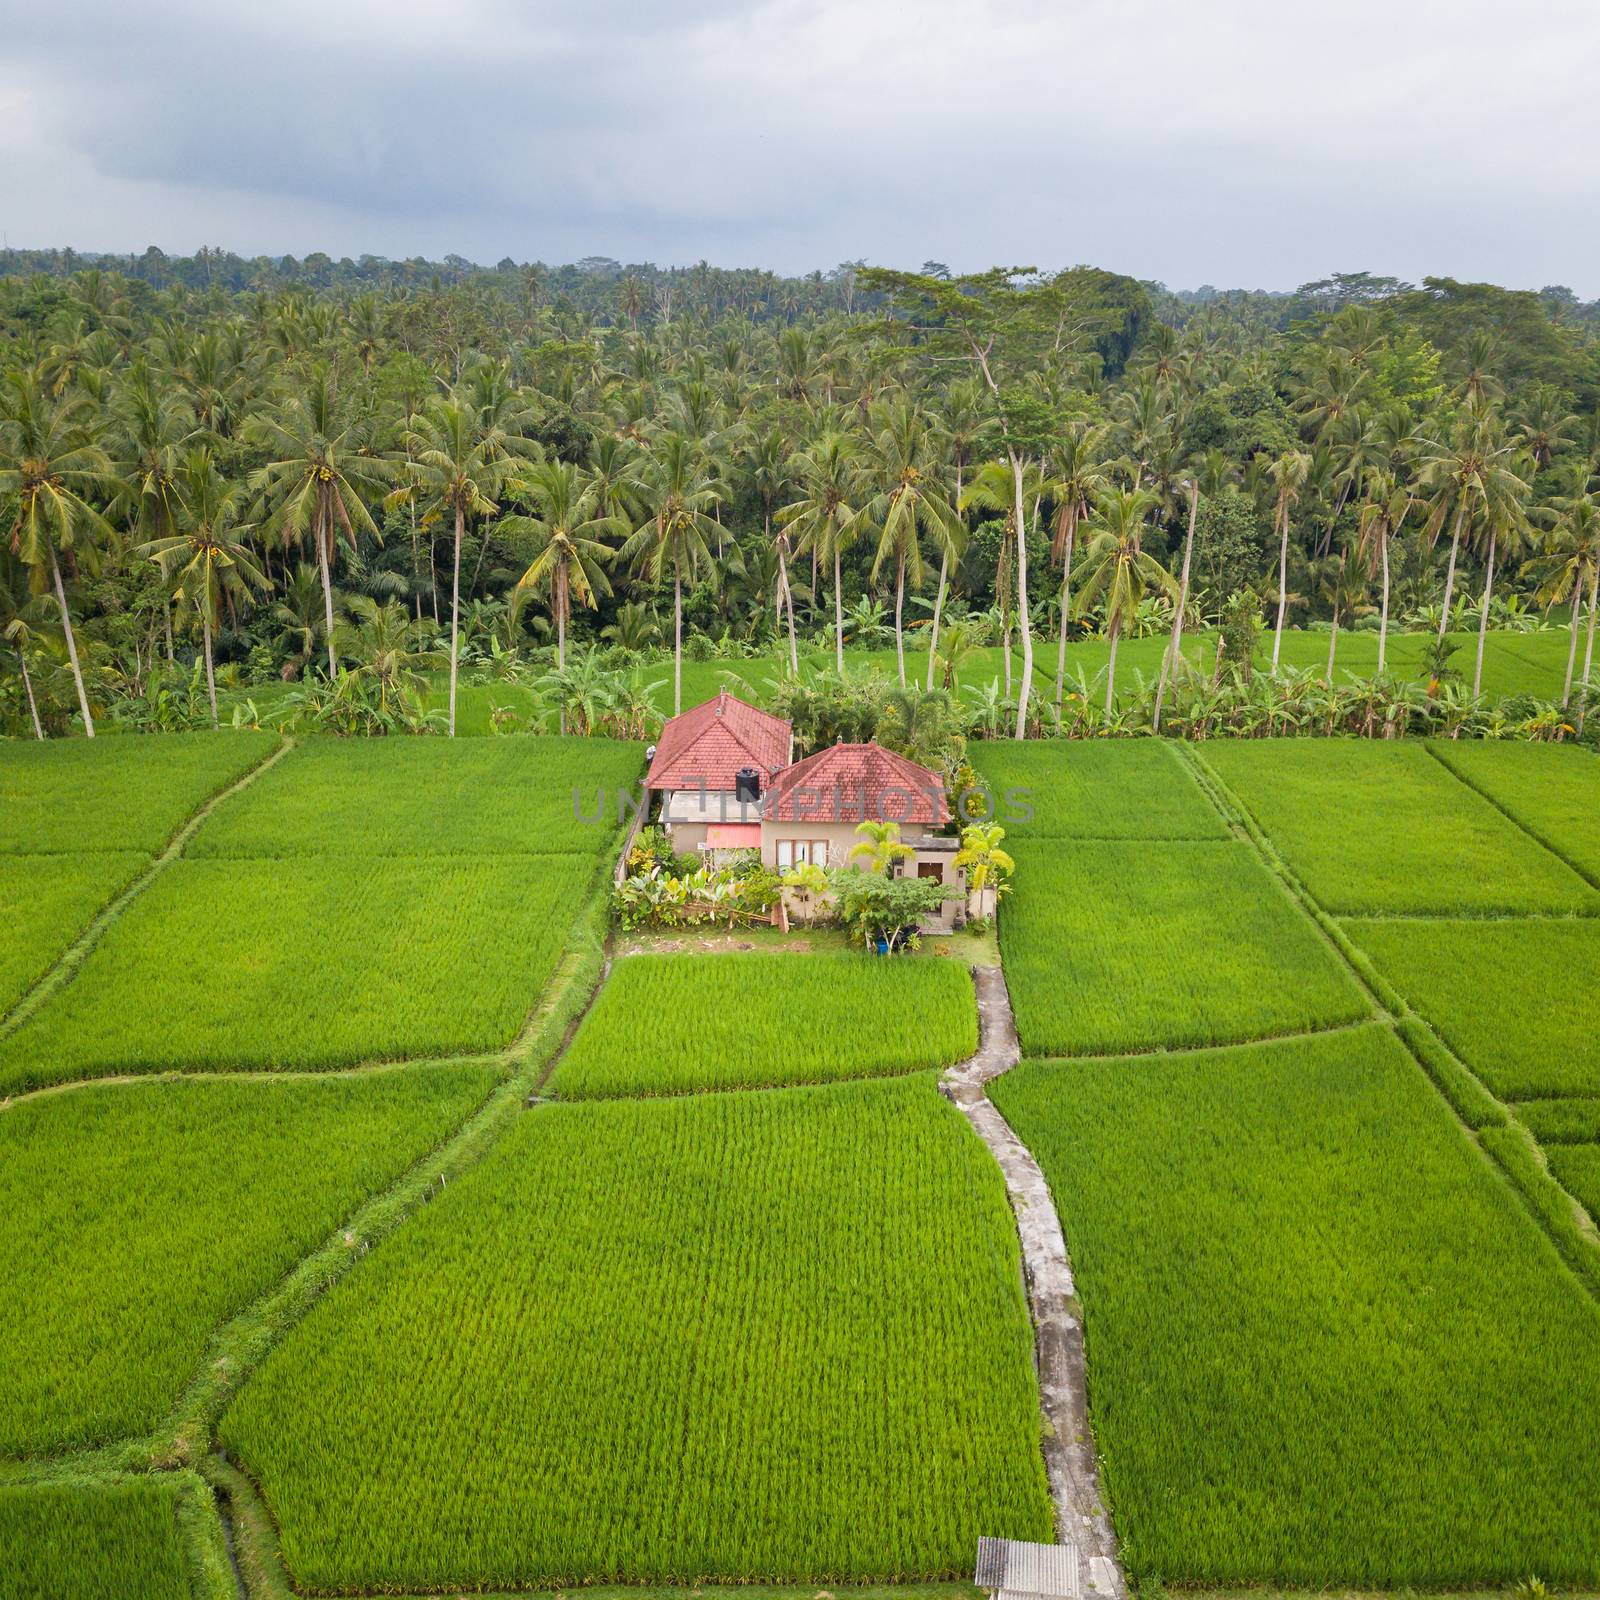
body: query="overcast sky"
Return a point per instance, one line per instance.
(1255, 143)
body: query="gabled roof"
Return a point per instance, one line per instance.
(706, 746)
(856, 783)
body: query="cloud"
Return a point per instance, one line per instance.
(1256, 142)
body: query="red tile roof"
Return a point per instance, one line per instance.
(857, 783)
(708, 744)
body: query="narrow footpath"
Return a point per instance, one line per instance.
(1068, 1444)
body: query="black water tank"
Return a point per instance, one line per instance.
(747, 784)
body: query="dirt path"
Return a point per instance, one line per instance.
(1068, 1445)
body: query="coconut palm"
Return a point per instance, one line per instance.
(921, 724)
(21, 625)
(567, 534)
(49, 465)
(1288, 475)
(458, 462)
(1173, 653)
(316, 477)
(208, 553)
(1383, 513)
(675, 536)
(1503, 530)
(962, 420)
(767, 461)
(880, 847)
(1078, 478)
(908, 505)
(1342, 582)
(1120, 572)
(1568, 566)
(824, 519)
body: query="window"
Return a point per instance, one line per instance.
(800, 852)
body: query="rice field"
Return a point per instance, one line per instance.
(1577, 1170)
(1117, 946)
(45, 903)
(115, 794)
(324, 962)
(77, 1541)
(1327, 1344)
(138, 1217)
(775, 1336)
(1514, 998)
(1552, 791)
(1561, 1121)
(671, 1024)
(428, 797)
(1370, 826)
(1094, 789)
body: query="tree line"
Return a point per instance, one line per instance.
(344, 484)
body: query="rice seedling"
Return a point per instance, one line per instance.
(667, 1024)
(1577, 1168)
(772, 1336)
(1295, 1373)
(1552, 790)
(1561, 1121)
(1371, 826)
(1514, 998)
(1124, 946)
(115, 794)
(1088, 789)
(395, 797)
(84, 1541)
(141, 1216)
(45, 903)
(313, 963)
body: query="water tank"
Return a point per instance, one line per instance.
(747, 785)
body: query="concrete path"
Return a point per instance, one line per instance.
(1058, 1334)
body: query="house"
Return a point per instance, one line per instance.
(727, 782)
(711, 766)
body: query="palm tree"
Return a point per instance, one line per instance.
(1504, 528)
(962, 421)
(1288, 475)
(458, 463)
(1342, 581)
(20, 624)
(880, 847)
(1078, 479)
(1172, 654)
(49, 463)
(567, 534)
(921, 725)
(1568, 566)
(908, 505)
(383, 639)
(1120, 571)
(982, 859)
(209, 553)
(317, 477)
(1383, 512)
(676, 533)
(823, 517)
(767, 459)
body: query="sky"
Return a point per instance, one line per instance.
(1241, 143)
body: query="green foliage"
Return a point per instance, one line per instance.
(1128, 946)
(740, 896)
(1082, 790)
(667, 1024)
(115, 794)
(1282, 1251)
(149, 1213)
(402, 797)
(884, 911)
(1371, 826)
(46, 901)
(1513, 998)
(308, 963)
(683, 1306)
(1578, 1168)
(90, 1541)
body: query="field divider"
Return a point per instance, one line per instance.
(65, 967)
(1066, 1441)
(1484, 1119)
(1511, 816)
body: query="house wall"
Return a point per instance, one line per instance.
(841, 838)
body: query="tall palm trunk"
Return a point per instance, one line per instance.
(1066, 606)
(899, 611)
(562, 603)
(1026, 686)
(72, 644)
(1483, 621)
(1283, 584)
(455, 615)
(1588, 649)
(1111, 663)
(677, 641)
(938, 611)
(1333, 644)
(785, 594)
(1383, 609)
(1572, 647)
(323, 536)
(33, 705)
(1450, 573)
(1169, 662)
(838, 612)
(211, 671)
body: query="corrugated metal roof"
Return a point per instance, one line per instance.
(1013, 1567)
